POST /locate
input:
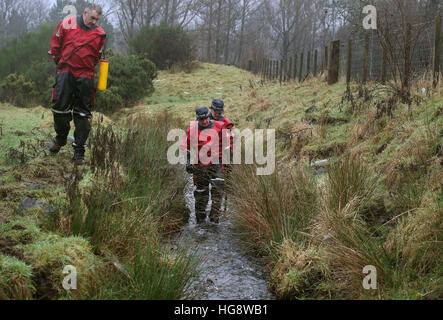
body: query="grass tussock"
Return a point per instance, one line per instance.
(49, 257)
(300, 272)
(273, 208)
(151, 274)
(15, 279)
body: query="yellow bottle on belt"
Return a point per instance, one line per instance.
(103, 77)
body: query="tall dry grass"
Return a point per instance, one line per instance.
(135, 198)
(270, 209)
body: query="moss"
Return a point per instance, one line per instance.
(48, 258)
(17, 232)
(15, 279)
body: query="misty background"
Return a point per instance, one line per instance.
(223, 31)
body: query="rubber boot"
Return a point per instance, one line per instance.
(214, 215)
(201, 201)
(81, 134)
(61, 126)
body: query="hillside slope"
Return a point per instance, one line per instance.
(398, 147)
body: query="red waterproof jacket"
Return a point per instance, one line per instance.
(76, 48)
(211, 137)
(228, 125)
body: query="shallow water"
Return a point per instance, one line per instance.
(228, 271)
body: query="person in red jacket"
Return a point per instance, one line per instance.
(217, 114)
(76, 47)
(206, 137)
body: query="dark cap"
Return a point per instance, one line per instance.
(202, 113)
(218, 106)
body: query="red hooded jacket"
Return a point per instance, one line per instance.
(206, 138)
(228, 126)
(77, 48)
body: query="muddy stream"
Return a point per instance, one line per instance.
(228, 271)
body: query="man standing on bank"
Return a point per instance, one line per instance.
(76, 47)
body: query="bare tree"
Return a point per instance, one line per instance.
(285, 18)
(248, 7)
(128, 15)
(228, 29)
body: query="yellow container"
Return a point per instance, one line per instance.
(103, 77)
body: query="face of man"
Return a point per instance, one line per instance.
(216, 116)
(204, 122)
(91, 18)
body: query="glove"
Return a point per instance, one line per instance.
(56, 60)
(190, 168)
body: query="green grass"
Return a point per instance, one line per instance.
(15, 279)
(136, 199)
(403, 152)
(122, 207)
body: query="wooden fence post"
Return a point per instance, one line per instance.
(348, 71)
(315, 62)
(437, 48)
(284, 69)
(271, 71)
(308, 66)
(290, 68)
(295, 67)
(300, 76)
(334, 66)
(249, 65)
(263, 69)
(366, 59)
(407, 67)
(384, 66)
(326, 59)
(274, 71)
(281, 71)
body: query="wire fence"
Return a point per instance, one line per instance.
(406, 55)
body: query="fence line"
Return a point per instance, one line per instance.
(363, 59)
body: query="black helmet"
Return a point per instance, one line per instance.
(218, 106)
(202, 113)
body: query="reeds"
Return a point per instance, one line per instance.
(132, 203)
(270, 209)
